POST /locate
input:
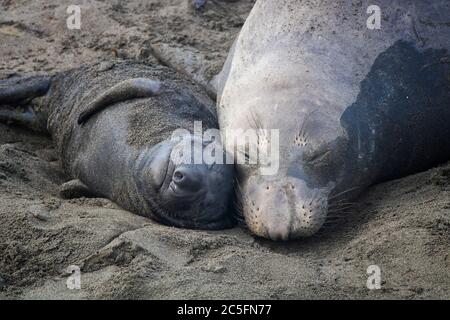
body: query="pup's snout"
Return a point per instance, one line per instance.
(188, 178)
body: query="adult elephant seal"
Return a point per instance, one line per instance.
(354, 105)
(113, 125)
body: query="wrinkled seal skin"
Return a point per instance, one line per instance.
(354, 106)
(117, 141)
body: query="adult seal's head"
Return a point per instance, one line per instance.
(353, 104)
(294, 199)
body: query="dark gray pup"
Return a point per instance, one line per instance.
(112, 125)
(354, 104)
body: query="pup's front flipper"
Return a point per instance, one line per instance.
(125, 90)
(74, 189)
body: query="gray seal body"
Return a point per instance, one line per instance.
(113, 127)
(353, 105)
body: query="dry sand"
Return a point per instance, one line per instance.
(402, 226)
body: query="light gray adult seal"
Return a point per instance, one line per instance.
(354, 105)
(113, 127)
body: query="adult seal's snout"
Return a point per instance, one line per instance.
(282, 209)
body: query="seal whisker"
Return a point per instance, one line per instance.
(337, 215)
(341, 205)
(238, 208)
(302, 137)
(342, 201)
(332, 222)
(237, 186)
(342, 193)
(238, 215)
(337, 204)
(256, 123)
(339, 210)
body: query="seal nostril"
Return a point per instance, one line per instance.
(188, 179)
(178, 176)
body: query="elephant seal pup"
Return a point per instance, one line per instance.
(353, 105)
(113, 125)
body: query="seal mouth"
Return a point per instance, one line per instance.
(283, 209)
(199, 204)
(188, 196)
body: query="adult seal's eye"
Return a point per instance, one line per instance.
(315, 157)
(208, 141)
